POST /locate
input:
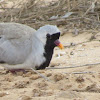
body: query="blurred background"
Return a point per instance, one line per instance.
(68, 14)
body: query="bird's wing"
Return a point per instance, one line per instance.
(15, 42)
(15, 30)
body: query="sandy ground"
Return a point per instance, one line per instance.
(80, 83)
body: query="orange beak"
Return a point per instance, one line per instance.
(57, 42)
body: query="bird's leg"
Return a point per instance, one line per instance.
(16, 70)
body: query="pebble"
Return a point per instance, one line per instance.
(80, 79)
(3, 94)
(58, 77)
(24, 97)
(34, 77)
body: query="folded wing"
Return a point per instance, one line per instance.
(15, 42)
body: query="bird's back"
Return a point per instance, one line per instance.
(15, 42)
(15, 30)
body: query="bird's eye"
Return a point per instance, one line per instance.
(48, 36)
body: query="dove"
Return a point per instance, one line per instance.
(22, 47)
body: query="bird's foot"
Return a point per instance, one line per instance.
(13, 71)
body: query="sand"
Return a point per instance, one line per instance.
(80, 83)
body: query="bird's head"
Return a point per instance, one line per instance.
(49, 34)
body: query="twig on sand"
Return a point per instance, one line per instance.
(86, 72)
(41, 75)
(83, 72)
(90, 8)
(73, 66)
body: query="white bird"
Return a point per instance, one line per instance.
(22, 47)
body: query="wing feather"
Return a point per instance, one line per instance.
(15, 30)
(15, 42)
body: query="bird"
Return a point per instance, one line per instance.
(23, 47)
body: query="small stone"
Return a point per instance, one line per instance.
(71, 53)
(37, 93)
(58, 77)
(93, 88)
(80, 79)
(49, 74)
(21, 84)
(42, 84)
(2, 94)
(72, 44)
(28, 74)
(81, 85)
(24, 97)
(9, 79)
(34, 77)
(62, 53)
(54, 64)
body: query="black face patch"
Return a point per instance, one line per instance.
(2, 62)
(49, 47)
(54, 36)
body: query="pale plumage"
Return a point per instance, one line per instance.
(22, 47)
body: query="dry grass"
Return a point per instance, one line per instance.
(36, 13)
